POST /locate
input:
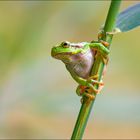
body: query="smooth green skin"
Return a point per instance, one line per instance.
(61, 51)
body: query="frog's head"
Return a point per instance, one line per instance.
(66, 50)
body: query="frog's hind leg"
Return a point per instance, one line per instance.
(89, 98)
(85, 91)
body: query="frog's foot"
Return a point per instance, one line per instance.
(90, 97)
(106, 44)
(100, 86)
(81, 90)
(84, 90)
(93, 80)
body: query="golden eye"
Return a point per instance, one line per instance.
(65, 44)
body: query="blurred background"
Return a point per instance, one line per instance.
(37, 94)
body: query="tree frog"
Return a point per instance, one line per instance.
(79, 59)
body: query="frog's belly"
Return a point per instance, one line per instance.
(83, 67)
(82, 70)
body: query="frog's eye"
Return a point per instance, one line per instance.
(65, 44)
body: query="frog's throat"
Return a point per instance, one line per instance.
(62, 55)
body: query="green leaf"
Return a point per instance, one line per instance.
(129, 18)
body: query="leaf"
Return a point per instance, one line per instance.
(128, 19)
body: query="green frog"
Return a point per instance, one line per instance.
(79, 59)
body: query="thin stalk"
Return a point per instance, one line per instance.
(97, 70)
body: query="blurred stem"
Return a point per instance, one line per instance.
(97, 70)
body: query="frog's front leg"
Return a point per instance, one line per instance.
(101, 49)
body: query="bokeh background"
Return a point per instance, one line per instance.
(37, 94)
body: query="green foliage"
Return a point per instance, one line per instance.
(129, 18)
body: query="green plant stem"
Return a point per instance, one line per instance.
(97, 70)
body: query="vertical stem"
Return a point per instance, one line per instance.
(97, 69)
